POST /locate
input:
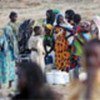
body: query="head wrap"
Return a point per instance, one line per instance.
(56, 11)
(85, 26)
(96, 20)
(49, 26)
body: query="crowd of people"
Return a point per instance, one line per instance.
(26, 50)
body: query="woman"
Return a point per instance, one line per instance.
(32, 83)
(69, 14)
(14, 26)
(25, 31)
(90, 88)
(81, 37)
(50, 17)
(10, 53)
(76, 44)
(61, 45)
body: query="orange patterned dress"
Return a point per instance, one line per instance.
(61, 49)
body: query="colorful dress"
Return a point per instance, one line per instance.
(78, 44)
(61, 49)
(77, 51)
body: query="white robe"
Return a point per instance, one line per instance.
(36, 42)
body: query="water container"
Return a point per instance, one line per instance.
(50, 78)
(57, 77)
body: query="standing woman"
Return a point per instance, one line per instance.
(81, 30)
(11, 49)
(14, 27)
(61, 45)
(7, 63)
(9, 55)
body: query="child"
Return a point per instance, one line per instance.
(35, 44)
(48, 39)
(48, 43)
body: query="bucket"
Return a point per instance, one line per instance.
(57, 77)
(50, 78)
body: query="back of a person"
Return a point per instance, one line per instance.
(32, 83)
(25, 31)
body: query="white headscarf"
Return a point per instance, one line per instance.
(96, 20)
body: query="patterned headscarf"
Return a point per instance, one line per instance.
(85, 26)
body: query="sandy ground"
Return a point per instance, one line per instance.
(37, 10)
(62, 90)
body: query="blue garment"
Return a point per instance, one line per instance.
(87, 36)
(10, 38)
(3, 67)
(10, 52)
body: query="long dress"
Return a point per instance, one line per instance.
(3, 71)
(9, 56)
(7, 65)
(62, 54)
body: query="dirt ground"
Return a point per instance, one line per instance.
(61, 90)
(36, 9)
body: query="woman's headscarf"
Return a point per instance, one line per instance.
(49, 26)
(96, 20)
(58, 19)
(85, 26)
(56, 11)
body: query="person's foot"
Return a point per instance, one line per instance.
(10, 84)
